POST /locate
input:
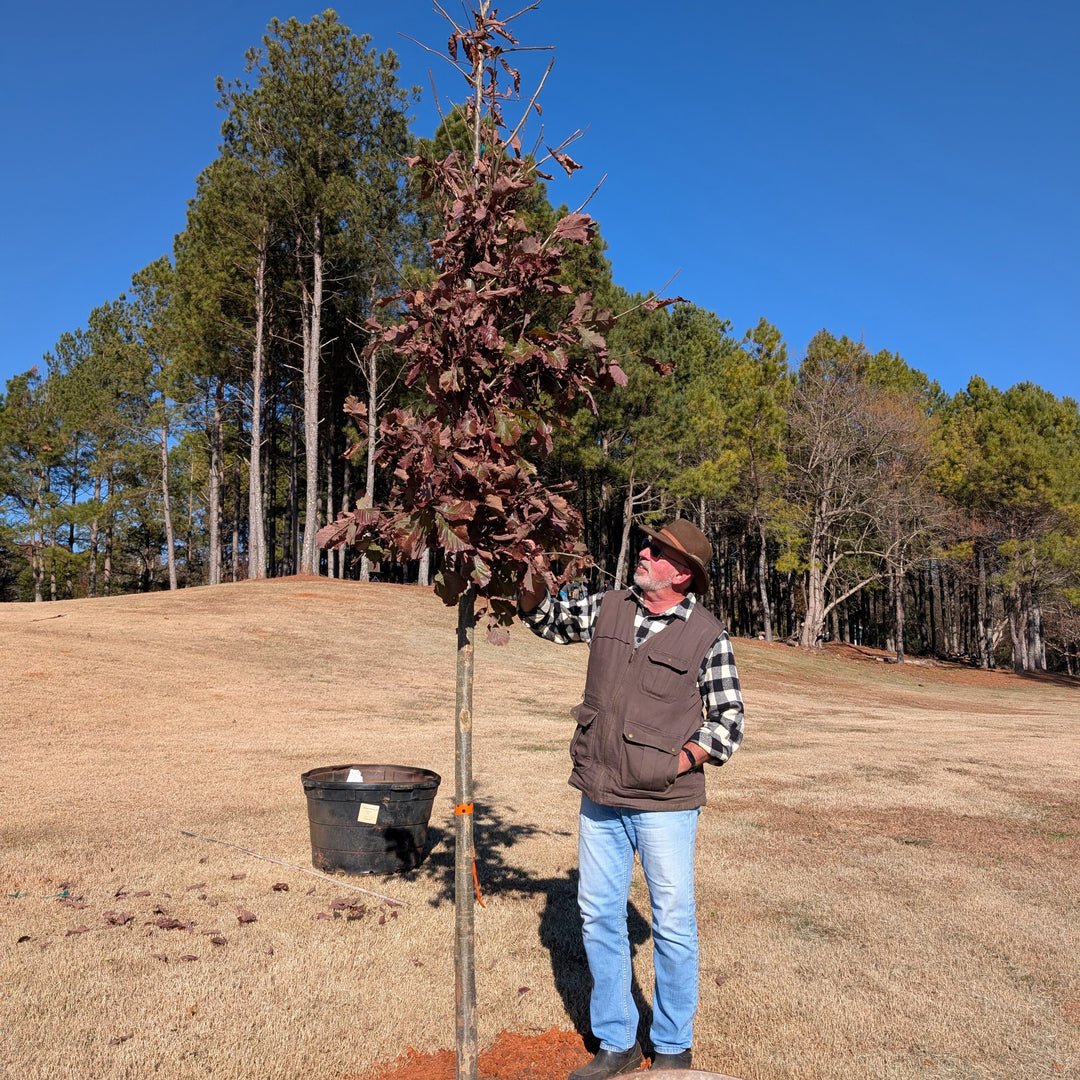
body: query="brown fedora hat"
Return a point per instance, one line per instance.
(691, 543)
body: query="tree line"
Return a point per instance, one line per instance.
(194, 430)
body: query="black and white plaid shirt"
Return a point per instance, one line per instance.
(721, 732)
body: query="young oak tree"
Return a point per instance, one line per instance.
(494, 381)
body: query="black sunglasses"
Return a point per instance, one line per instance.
(658, 551)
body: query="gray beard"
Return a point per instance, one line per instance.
(647, 582)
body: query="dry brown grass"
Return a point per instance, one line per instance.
(887, 871)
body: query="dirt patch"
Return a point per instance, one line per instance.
(550, 1056)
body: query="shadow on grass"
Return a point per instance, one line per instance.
(495, 837)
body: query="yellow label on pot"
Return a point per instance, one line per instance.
(368, 814)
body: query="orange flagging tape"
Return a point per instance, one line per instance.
(467, 808)
(476, 882)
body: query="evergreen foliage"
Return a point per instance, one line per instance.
(194, 431)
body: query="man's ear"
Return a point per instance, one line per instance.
(682, 580)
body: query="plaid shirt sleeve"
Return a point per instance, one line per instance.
(564, 621)
(722, 729)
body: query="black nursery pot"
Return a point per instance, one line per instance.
(376, 825)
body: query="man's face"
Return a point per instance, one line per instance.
(657, 567)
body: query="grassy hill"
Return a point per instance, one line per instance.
(887, 870)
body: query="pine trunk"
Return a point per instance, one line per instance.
(898, 610)
(331, 556)
(166, 506)
(624, 540)
(1034, 641)
(985, 632)
(1017, 630)
(309, 559)
(106, 570)
(214, 493)
(189, 528)
(256, 567)
(37, 564)
(235, 561)
(763, 581)
(372, 447)
(91, 582)
(293, 525)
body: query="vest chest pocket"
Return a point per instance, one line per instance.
(664, 675)
(649, 758)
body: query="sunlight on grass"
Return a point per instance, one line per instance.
(886, 872)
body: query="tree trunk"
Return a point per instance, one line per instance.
(214, 492)
(605, 514)
(309, 559)
(256, 532)
(898, 609)
(1034, 641)
(237, 501)
(928, 589)
(372, 447)
(37, 537)
(624, 540)
(423, 571)
(37, 563)
(814, 620)
(106, 570)
(270, 495)
(91, 580)
(331, 556)
(763, 579)
(293, 524)
(68, 588)
(1016, 630)
(464, 852)
(294, 499)
(189, 525)
(985, 630)
(950, 634)
(166, 506)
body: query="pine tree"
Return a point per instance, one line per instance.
(324, 123)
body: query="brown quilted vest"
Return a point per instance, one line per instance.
(641, 707)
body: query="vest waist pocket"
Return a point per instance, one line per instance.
(582, 739)
(650, 757)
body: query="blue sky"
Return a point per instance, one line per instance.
(903, 173)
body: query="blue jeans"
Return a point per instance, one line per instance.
(664, 841)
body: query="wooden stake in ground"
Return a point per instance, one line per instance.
(464, 849)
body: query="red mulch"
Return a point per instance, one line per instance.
(551, 1056)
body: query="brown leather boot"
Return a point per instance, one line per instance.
(609, 1063)
(680, 1060)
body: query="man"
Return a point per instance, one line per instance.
(662, 698)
